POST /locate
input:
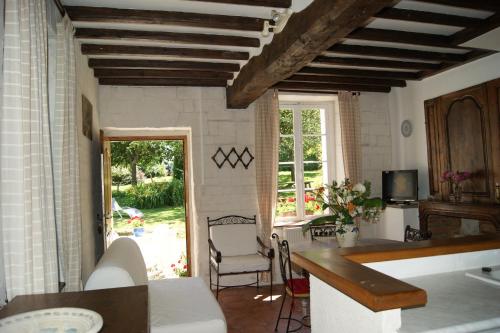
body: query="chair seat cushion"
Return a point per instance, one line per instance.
(246, 263)
(300, 287)
(184, 305)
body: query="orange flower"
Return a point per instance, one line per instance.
(351, 207)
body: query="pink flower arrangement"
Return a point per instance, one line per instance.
(136, 222)
(455, 177)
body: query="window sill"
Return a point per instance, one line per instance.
(282, 224)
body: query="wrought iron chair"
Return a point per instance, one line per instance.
(236, 249)
(415, 235)
(294, 287)
(322, 231)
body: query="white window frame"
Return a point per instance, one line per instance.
(329, 151)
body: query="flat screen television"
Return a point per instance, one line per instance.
(400, 186)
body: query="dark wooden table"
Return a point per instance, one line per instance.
(122, 309)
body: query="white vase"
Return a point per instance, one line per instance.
(349, 237)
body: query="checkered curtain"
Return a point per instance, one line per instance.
(266, 160)
(350, 125)
(26, 190)
(65, 160)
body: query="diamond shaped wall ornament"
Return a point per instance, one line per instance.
(246, 155)
(219, 158)
(233, 158)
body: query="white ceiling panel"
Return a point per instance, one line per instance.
(404, 46)
(426, 28)
(429, 7)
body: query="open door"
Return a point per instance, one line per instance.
(108, 206)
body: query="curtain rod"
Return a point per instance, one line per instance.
(60, 7)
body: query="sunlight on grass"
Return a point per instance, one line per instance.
(174, 217)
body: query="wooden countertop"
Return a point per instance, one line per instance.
(122, 309)
(343, 269)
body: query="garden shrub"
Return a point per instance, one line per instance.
(153, 195)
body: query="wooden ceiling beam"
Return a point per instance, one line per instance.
(365, 62)
(390, 52)
(346, 80)
(95, 49)
(116, 15)
(162, 36)
(262, 3)
(305, 86)
(471, 56)
(307, 34)
(360, 73)
(165, 64)
(160, 73)
(427, 17)
(162, 82)
(404, 37)
(472, 32)
(488, 5)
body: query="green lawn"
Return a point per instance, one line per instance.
(173, 216)
(123, 188)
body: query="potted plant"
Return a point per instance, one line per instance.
(180, 268)
(347, 204)
(138, 225)
(455, 180)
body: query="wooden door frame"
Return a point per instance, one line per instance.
(187, 182)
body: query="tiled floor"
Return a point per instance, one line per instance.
(249, 311)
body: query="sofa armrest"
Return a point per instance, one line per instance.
(214, 253)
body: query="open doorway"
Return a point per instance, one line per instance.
(145, 185)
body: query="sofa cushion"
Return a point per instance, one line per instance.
(246, 263)
(122, 265)
(235, 239)
(184, 305)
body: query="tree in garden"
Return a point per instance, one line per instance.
(120, 175)
(175, 153)
(134, 154)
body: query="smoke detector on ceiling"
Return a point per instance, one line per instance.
(277, 22)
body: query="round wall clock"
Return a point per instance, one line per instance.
(406, 128)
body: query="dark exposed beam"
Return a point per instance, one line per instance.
(307, 34)
(390, 52)
(115, 15)
(304, 86)
(264, 3)
(162, 36)
(427, 17)
(488, 5)
(471, 56)
(95, 49)
(160, 73)
(346, 80)
(162, 82)
(166, 64)
(359, 73)
(396, 36)
(471, 32)
(363, 62)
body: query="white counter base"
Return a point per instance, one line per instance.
(333, 311)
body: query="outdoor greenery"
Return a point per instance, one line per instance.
(173, 216)
(152, 195)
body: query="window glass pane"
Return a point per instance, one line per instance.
(313, 175)
(286, 149)
(286, 177)
(312, 149)
(287, 204)
(311, 121)
(311, 206)
(286, 121)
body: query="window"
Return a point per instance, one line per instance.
(306, 158)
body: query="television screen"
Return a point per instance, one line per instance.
(400, 185)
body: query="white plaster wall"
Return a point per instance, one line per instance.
(92, 243)
(408, 103)
(375, 138)
(203, 112)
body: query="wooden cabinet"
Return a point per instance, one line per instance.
(463, 133)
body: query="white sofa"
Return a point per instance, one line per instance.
(183, 305)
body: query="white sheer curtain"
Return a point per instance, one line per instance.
(266, 160)
(27, 201)
(65, 160)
